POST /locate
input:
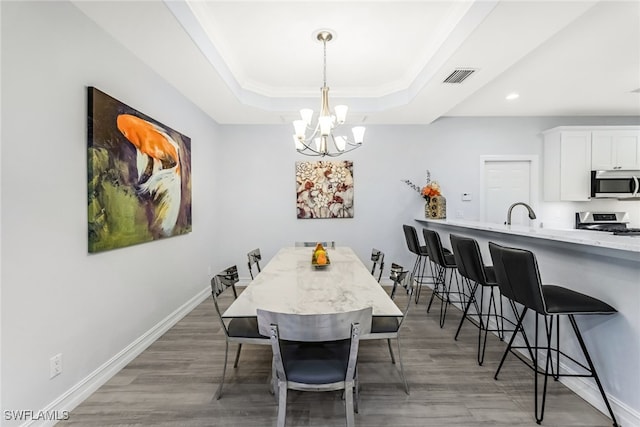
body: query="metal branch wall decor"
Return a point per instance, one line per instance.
(139, 176)
(324, 189)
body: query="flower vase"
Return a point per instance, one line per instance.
(436, 208)
(427, 211)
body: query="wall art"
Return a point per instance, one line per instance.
(324, 189)
(139, 176)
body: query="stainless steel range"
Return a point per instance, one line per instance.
(613, 222)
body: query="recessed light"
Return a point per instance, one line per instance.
(512, 96)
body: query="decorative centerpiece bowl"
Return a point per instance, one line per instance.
(320, 258)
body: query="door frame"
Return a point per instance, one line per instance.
(534, 177)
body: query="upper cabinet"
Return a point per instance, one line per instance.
(615, 150)
(567, 165)
(572, 152)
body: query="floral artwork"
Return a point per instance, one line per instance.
(139, 176)
(324, 189)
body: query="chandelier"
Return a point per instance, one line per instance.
(318, 139)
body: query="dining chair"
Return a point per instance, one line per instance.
(312, 244)
(377, 257)
(239, 330)
(254, 257)
(519, 270)
(388, 327)
(315, 352)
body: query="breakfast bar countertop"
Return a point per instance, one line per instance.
(597, 239)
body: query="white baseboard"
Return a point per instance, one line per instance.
(83, 389)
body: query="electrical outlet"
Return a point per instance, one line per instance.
(459, 214)
(55, 365)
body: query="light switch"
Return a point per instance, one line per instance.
(466, 197)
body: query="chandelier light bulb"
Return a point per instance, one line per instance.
(325, 125)
(307, 115)
(358, 134)
(341, 113)
(300, 127)
(298, 143)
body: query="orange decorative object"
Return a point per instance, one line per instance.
(320, 257)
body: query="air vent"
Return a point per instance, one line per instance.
(459, 75)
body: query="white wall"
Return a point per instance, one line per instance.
(57, 298)
(260, 190)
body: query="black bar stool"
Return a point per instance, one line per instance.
(519, 269)
(473, 271)
(444, 262)
(421, 253)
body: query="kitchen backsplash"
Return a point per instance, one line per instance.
(561, 215)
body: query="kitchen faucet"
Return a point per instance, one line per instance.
(532, 214)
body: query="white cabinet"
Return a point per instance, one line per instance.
(567, 165)
(615, 150)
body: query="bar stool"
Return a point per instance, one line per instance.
(473, 271)
(421, 253)
(519, 269)
(442, 263)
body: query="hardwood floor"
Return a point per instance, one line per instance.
(173, 383)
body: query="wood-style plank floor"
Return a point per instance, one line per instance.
(173, 383)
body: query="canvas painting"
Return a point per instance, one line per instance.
(324, 189)
(139, 176)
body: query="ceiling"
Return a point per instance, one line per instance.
(255, 62)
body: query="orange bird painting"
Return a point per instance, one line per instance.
(158, 164)
(139, 176)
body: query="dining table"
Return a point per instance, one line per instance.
(291, 283)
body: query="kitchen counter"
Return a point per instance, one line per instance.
(598, 239)
(595, 263)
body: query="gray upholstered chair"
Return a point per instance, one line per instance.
(388, 327)
(377, 257)
(254, 257)
(237, 330)
(315, 352)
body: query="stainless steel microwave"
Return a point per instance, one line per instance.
(615, 184)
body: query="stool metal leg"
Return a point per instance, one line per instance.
(574, 325)
(548, 325)
(510, 344)
(466, 308)
(418, 272)
(437, 280)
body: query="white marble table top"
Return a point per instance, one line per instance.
(290, 284)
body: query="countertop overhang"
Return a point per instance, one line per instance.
(598, 239)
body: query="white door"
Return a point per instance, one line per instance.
(506, 182)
